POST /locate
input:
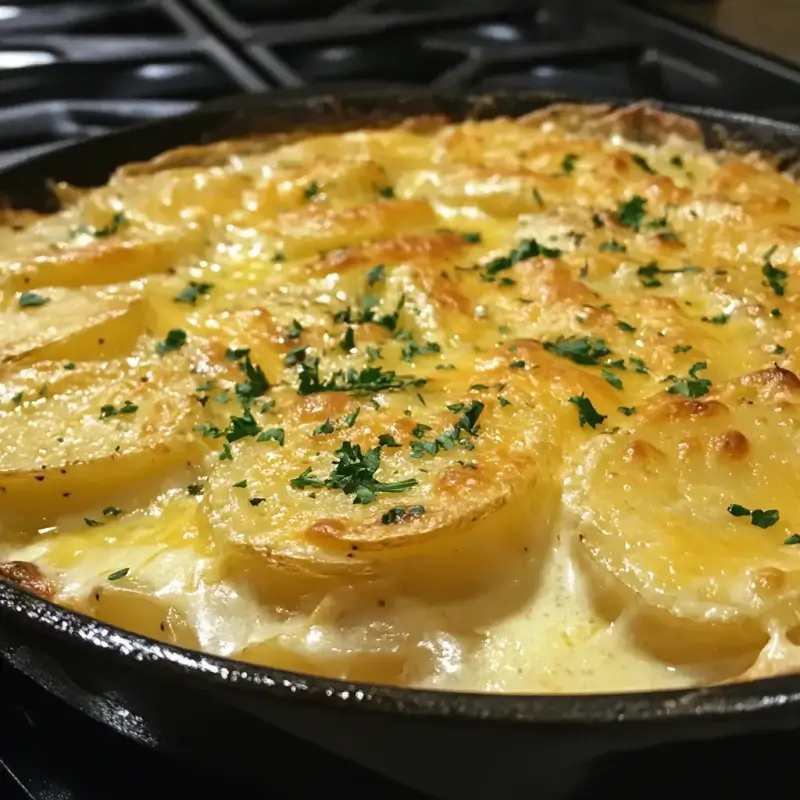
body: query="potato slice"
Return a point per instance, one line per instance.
(96, 433)
(484, 496)
(319, 227)
(91, 262)
(665, 527)
(73, 325)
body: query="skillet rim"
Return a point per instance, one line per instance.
(22, 608)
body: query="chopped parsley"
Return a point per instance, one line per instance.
(625, 327)
(294, 330)
(236, 353)
(369, 313)
(295, 356)
(386, 192)
(240, 484)
(376, 274)
(112, 411)
(354, 474)
(111, 511)
(351, 418)
(775, 278)
(256, 384)
(758, 517)
(471, 238)
(681, 348)
(691, 386)
(192, 292)
(719, 319)
(369, 380)
(793, 539)
(647, 273)
(587, 414)
(613, 247)
(348, 341)
(32, 300)
(568, 163)
(412, 350)
(326, 427)
(225, 454)
(257, 501)
(581, 350)
(312, 191)
(631, 214)
(466, 424)
(627, 410)
(641, 162)
(194, 489)
(538, 198)
(175, 339)
(676, 161)
(273, 435)
(527, 248)
(611, 378)
(400, 514)
(70, 365)
(241, 427)
(92, 523)
(117, 222)
(119, 574)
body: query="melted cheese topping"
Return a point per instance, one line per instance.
(504, 406)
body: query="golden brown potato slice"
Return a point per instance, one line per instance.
(449, 497)
(90, 261)
(73, 325)
(689, 517)
(319, 227)
(95, 433)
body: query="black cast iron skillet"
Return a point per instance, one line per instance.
(445, 744)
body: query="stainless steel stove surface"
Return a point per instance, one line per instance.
(70, 70)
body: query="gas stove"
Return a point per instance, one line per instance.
(71, 70)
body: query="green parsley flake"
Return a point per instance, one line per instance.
(587, 414)
(401, 514)
(775, 278)
(526, 249)
(625, 327)
(294, 330)
(240, 484)
(326, 427)
(641, 162)
(194, 489)
(471, 238)
(273, 435)
(354, 474)
(691, 386)
(386, 192)
(175, 339)
(348, 341)
(611, 378)
(719, 319)
(627, 410)
(613, 247)
(312, 191)
(632, 213)
(32, 300)
(111, 511)
(119, 574)
(758, 517)
(376, 274)
(568, 163)
(192, 292)
(580, 350)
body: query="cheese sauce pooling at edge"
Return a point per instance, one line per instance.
(503, 406)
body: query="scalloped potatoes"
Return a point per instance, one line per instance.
(505, 405)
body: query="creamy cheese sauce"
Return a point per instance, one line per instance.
(565, 358)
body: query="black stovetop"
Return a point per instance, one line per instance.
(69, 70)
